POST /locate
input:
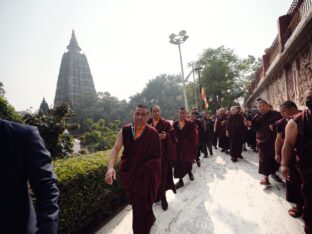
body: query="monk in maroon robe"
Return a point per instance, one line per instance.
(293, 185)
(263, 124)
(236, 131)
(167, 140)
(185, 147)
(201, 137)
(298, 134)
(221, 131)
(139, 168)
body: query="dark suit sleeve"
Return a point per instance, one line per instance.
(43, 183)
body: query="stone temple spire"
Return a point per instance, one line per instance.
(73, 44)
(75, 82)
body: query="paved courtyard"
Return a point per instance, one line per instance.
(224, 198)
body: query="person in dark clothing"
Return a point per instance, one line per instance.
(215, 135)
(251, 133)
(293, 185)
(221, 132)
(236, 131)
(200, 127)
(263, 124)
(298, 134)
(168, 156)
(25, 159)
(139, 168)
(185, 147)
(209, 123)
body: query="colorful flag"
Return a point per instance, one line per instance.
(203, 97)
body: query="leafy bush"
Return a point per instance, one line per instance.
(8, 112)
(100, 135)
(83, 193)
(53, 128)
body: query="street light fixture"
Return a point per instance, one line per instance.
(178, 40)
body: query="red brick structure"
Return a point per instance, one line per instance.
(286, 69)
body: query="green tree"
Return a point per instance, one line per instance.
(8, 112)
(106, 107)
(165, 91)
(225, 76)
(54, 129)
(100, 135)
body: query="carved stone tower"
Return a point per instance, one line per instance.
(75, 81)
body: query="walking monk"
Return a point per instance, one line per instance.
(185, 147)
(219, 128)
(236, 131)
(167, 141)
(298, 134)
(293, 184)
(139, 168)
(263, 123)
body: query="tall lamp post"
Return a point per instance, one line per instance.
(193, 72)
(198, 68)
(178, 40)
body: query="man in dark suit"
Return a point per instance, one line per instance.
(24, 159)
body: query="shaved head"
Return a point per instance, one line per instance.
(221, 111)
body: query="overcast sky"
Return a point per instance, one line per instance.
(126, 41)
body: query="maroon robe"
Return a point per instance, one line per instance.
(304, 149)
(237, 134)
(293, 185)
(221, 132)
(168, 156)
(201, 139)
(266, 141)
(139, 170)
(185, 148)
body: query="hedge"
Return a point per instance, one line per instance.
(83, 193)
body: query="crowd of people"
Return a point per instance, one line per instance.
(155, 151)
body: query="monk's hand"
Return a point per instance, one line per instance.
(248, 123)
(110, 176)
(271, 127)
(278, 158)
(162, 135)
(285, 172)
(227, 133)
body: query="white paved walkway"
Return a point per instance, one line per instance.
(224, 198)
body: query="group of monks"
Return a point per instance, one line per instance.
(156, 150)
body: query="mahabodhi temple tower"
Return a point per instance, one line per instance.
(74, 80)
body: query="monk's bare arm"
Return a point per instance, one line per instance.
(291, 133)
(115, 151)
(111, 174)
(278, 147)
